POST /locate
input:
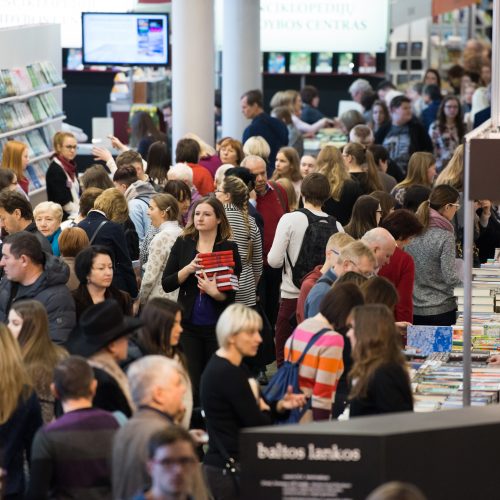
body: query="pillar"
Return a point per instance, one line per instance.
(193, 57)
(240, 61)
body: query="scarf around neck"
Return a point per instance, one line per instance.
(69, 166)
(437, 220)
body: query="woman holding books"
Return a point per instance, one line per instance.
(434, 252)
(233, 194)
(379, 377)
(203, 301)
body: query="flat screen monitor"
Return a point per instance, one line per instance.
(128, 39)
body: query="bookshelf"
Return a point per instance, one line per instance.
(32, 111)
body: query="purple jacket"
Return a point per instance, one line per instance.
(211, 163)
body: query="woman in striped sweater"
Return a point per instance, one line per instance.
(322, 367)
(233, 194)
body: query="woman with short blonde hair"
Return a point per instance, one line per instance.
(48, 217)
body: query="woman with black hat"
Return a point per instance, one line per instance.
(102, 338)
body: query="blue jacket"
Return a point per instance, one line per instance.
(318, 291)
(274, 132)
(113, 236)
(429, 114)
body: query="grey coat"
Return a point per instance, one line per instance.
(49, 289)
(435, 272)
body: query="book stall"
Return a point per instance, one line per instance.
(436, 352)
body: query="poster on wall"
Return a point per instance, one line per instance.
(67, 13)
(324, 25)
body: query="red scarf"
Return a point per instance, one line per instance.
(69, 166)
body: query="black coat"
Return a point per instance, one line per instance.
(109, 395)
(113, 236)
(419, 138)
(181, 254)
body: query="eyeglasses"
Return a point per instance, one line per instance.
(70, 147)
(457, 205)
(451, 107)
(168, 463)
(366, 274)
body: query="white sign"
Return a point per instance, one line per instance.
(67, 13)
(324, 25)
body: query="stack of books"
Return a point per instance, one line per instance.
(19, 81)
(221, 266)
(437, 384)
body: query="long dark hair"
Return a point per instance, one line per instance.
(159, 159)
(364, 216)
(158, 316)
(459, 119)
(378, 343)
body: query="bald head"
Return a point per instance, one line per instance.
(382, 244)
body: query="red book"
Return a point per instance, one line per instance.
(210, 254)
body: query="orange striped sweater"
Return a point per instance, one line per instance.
(322, 366)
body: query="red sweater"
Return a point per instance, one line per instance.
(308, 282)
(269, 206)
(401, 273)
(202, 179)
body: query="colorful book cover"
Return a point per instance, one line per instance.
(276, 62)
(367, 62)
(300, 62)
(346, 63)
(429, 339)
(324, 62)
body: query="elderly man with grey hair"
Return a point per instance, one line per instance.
(157, 385)
(382, 244)
(362, 92)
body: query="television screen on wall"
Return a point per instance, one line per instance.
(127, 39)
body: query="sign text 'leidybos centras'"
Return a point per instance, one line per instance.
(331, 454)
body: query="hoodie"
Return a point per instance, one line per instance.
(138, 196)
(49, 289)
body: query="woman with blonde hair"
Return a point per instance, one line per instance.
(29, 324)
(112, 203)
(287, 165)
(48, 217)
(292, 99)
(164, 214)
(421, 171)
(344, 191)
(257, 146)
(380, 379)
(453, 173)
(20, 415)
(291, 194)
(361, 165)
(233, 194)
(15, 157)
(61, 177)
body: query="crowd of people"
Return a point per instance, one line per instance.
(123, 362)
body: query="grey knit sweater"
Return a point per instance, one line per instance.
(435, 273)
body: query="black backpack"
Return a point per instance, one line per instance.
(312, 250)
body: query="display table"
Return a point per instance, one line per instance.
(448, 455)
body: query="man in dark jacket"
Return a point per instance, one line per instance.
(404, 135)
(16, 215)
(32, 274)
(102, 231)
(273, 130)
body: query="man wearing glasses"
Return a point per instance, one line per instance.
(356, 257)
